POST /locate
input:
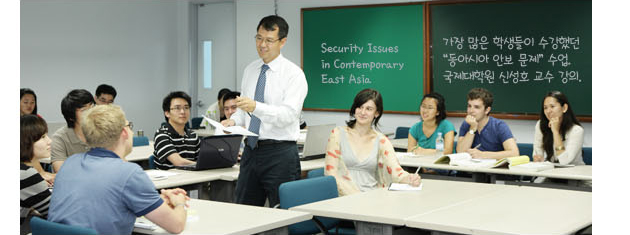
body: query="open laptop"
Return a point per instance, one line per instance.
(216, 152)
(316, 141)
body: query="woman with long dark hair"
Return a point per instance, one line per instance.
(360, 157)
(559, 135)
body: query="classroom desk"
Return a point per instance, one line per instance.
(400, 143)
(209, 217)
(443, 205)
(519, 210)
(312, 164)
(380, 209)
(184, 177)
(570, 173)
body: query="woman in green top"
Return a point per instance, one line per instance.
(422, 135)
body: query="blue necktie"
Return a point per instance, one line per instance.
(254, 123)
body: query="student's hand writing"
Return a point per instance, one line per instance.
(554, 124)
(246, 104)
(475, 153)
(538, 158)
(472, 122)
(414, 180)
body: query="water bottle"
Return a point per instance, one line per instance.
(439, 145)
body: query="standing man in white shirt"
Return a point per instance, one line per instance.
(273, 91)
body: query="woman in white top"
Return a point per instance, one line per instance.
(559, 135)
(359, 157)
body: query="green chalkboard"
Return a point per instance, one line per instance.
(347, 49)
(516, 30)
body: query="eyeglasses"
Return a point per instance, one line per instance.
(267, 40)
(180, 108)
(130, 125)
(103, 100)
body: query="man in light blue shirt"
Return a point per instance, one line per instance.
(100, 190)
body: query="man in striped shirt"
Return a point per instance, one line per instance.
(175, 145)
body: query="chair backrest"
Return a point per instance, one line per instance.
(140, 141)
(40, 226)
(315, 173)
(299, 192)
(151, 163)
(196, 122)
(526, 149)
(401, 132)
(587, 155)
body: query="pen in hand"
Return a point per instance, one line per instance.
(479, 145)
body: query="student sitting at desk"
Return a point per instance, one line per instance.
(34, 145)
(423, 134)
(215, 110)
(558, 134)
(229, 103)
(481, 135)
(69, 139)
(101, 190)
(175, 145)
(105, 94)
(355, 151)
(28, 102)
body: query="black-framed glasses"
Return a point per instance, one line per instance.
(130, 125)
(180, 108)
(267, 40)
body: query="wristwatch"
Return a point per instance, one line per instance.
(472, 132)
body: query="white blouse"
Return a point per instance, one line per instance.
(574, 138)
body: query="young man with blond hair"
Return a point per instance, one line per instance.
(99, 189)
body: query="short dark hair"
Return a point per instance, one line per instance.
(269, 23)
(222, 93)
(568, 120)
(483, 94)
(105, 89)
(441, 106)
(74, 100)
(32, 128)
(25, 91)
(166, 103)
(361, 98)
(230, 96)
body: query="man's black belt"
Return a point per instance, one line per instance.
(270, 142)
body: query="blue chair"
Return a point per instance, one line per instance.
(196, 122)
(140, 141)
(319, 172)
(299, 192)
(401, 132)
(587, 155)
(40, 226)
(151, 163)
(526, 149)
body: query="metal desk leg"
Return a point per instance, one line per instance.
(367, 228)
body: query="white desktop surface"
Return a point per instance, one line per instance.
(519, 210)
(584, 172)
(184, 177)
(312, 164)
(400, 143)
(210, 217)
(393, 207)
(140, 153)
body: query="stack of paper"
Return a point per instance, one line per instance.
(232, 130)
(158, 174)
(404, 187)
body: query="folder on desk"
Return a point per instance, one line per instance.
(465, 159)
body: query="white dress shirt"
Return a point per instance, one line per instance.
(574, 138)
(285, 90)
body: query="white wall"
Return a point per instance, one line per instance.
(139, 47)
(249, 12)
